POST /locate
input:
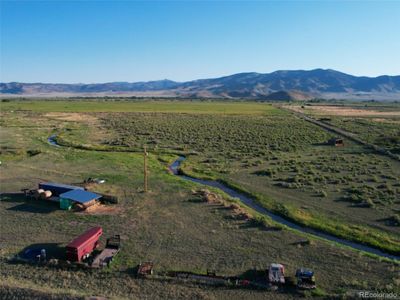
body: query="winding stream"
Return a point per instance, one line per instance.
(174, 167)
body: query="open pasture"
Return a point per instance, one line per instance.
(383, 132)
(287, 161)
(171, 226)
(179, 106)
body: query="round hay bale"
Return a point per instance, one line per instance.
(45, 195)
(37, 193)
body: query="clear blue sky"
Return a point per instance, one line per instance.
(106, 41)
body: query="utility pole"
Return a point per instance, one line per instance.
(145, 168)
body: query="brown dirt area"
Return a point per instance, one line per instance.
(73, 117)
(96, 133)
(101, 209)
(342, 111)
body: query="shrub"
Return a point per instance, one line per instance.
(369, 203)
(267, 172)
(282, 209)
(323, 194)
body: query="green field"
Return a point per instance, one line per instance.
(284, 159)
(179, 106)
(270, 153)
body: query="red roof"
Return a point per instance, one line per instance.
(85, 237)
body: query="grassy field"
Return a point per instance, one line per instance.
(169, 225)
(198, 107)
(372, 123)
(285, 160)
(383, 132)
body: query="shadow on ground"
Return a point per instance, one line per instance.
(31, 207)
(28, 205)
(53, 250)
(12, 197)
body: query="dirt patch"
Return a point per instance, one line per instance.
(237, 212)
(94, 134)
(208, 196)
(342, 111)
(101, 209)
(72, 117)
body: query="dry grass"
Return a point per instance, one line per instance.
(341, 111)
(72, 117)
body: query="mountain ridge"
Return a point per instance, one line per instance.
(308, 84)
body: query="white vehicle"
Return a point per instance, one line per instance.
(276, 274)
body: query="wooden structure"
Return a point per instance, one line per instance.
(337, 142)
(145, 269)
(81, 197)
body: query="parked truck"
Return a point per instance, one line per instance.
(82, 246)
(276, 274)
(305, 279)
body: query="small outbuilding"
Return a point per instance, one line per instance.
(82, 197)
(337, 142)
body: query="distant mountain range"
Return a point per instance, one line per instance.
(279, 85)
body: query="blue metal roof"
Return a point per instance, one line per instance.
(80, 196)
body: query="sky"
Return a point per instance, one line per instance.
(104, 41)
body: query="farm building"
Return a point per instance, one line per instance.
(337, 142)
(79, 196)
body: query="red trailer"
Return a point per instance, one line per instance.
(83, 245)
